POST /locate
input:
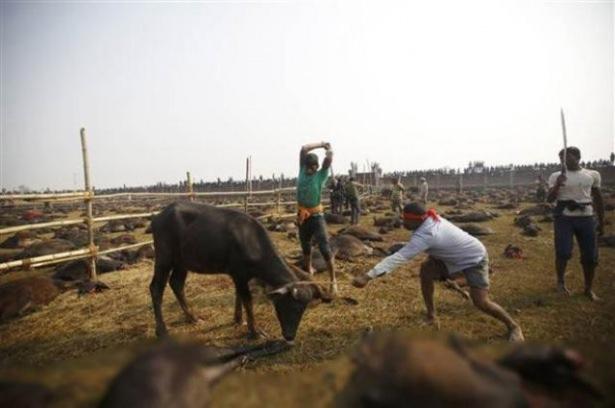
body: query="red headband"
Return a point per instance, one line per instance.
(431, 213)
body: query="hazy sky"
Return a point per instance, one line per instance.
(167, 87)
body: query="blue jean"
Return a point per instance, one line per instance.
(315, 227)
(584, 229)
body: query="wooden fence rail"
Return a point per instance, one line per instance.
(50, 259)
(92, 252)
(81, 195)
(28, 227)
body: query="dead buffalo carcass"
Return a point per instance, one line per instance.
(335, 219)
(397, 370)
(210, 240)
(174, 375)
(22, 239)
(24, 296)
(539, 209)
(364, 234)
(79, 270)
(47, 247)
(607, 240)
(476, 230)
(475, 216)
(392, 221)
(531, 230)
(348, 247)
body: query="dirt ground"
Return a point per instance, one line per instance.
(75, 345)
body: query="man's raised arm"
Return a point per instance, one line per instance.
(554, 187)
(326, 163)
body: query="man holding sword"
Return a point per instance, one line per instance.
(578, 196)
(579, 201)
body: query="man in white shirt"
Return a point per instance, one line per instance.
(451, 251)
(423, 190)
(579, 200)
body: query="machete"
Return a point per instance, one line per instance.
(565, 141)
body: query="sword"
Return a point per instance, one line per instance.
(565, 141)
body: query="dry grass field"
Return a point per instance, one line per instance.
(75, 345)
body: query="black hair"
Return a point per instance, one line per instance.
(414, 208)
(573, 151)
(311, 159)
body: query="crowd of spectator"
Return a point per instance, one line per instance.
(261, 183)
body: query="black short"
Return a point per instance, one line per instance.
(315, 227)
(584, 229)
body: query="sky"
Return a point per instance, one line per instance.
(168, 87)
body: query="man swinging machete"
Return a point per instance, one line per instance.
(310, 214)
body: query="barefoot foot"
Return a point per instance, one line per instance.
(592, 296)
(561, 288)
(333, 288)
(433, 321)
(515, 335)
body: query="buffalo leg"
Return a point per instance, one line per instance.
(156, 288)
(238, 317)
(177, 282)
(243, 292)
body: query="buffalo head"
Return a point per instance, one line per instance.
(290, 302)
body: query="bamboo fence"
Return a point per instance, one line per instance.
(88, 197)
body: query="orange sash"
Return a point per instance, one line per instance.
(304, 213)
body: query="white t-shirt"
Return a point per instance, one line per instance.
(423, 189)
(440, 239)
(577, 187)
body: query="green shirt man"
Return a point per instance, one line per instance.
(310, 217)
(309, 186)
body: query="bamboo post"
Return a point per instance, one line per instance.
(245, 198)
(250, 176)
(189, 187)
(88, 205)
